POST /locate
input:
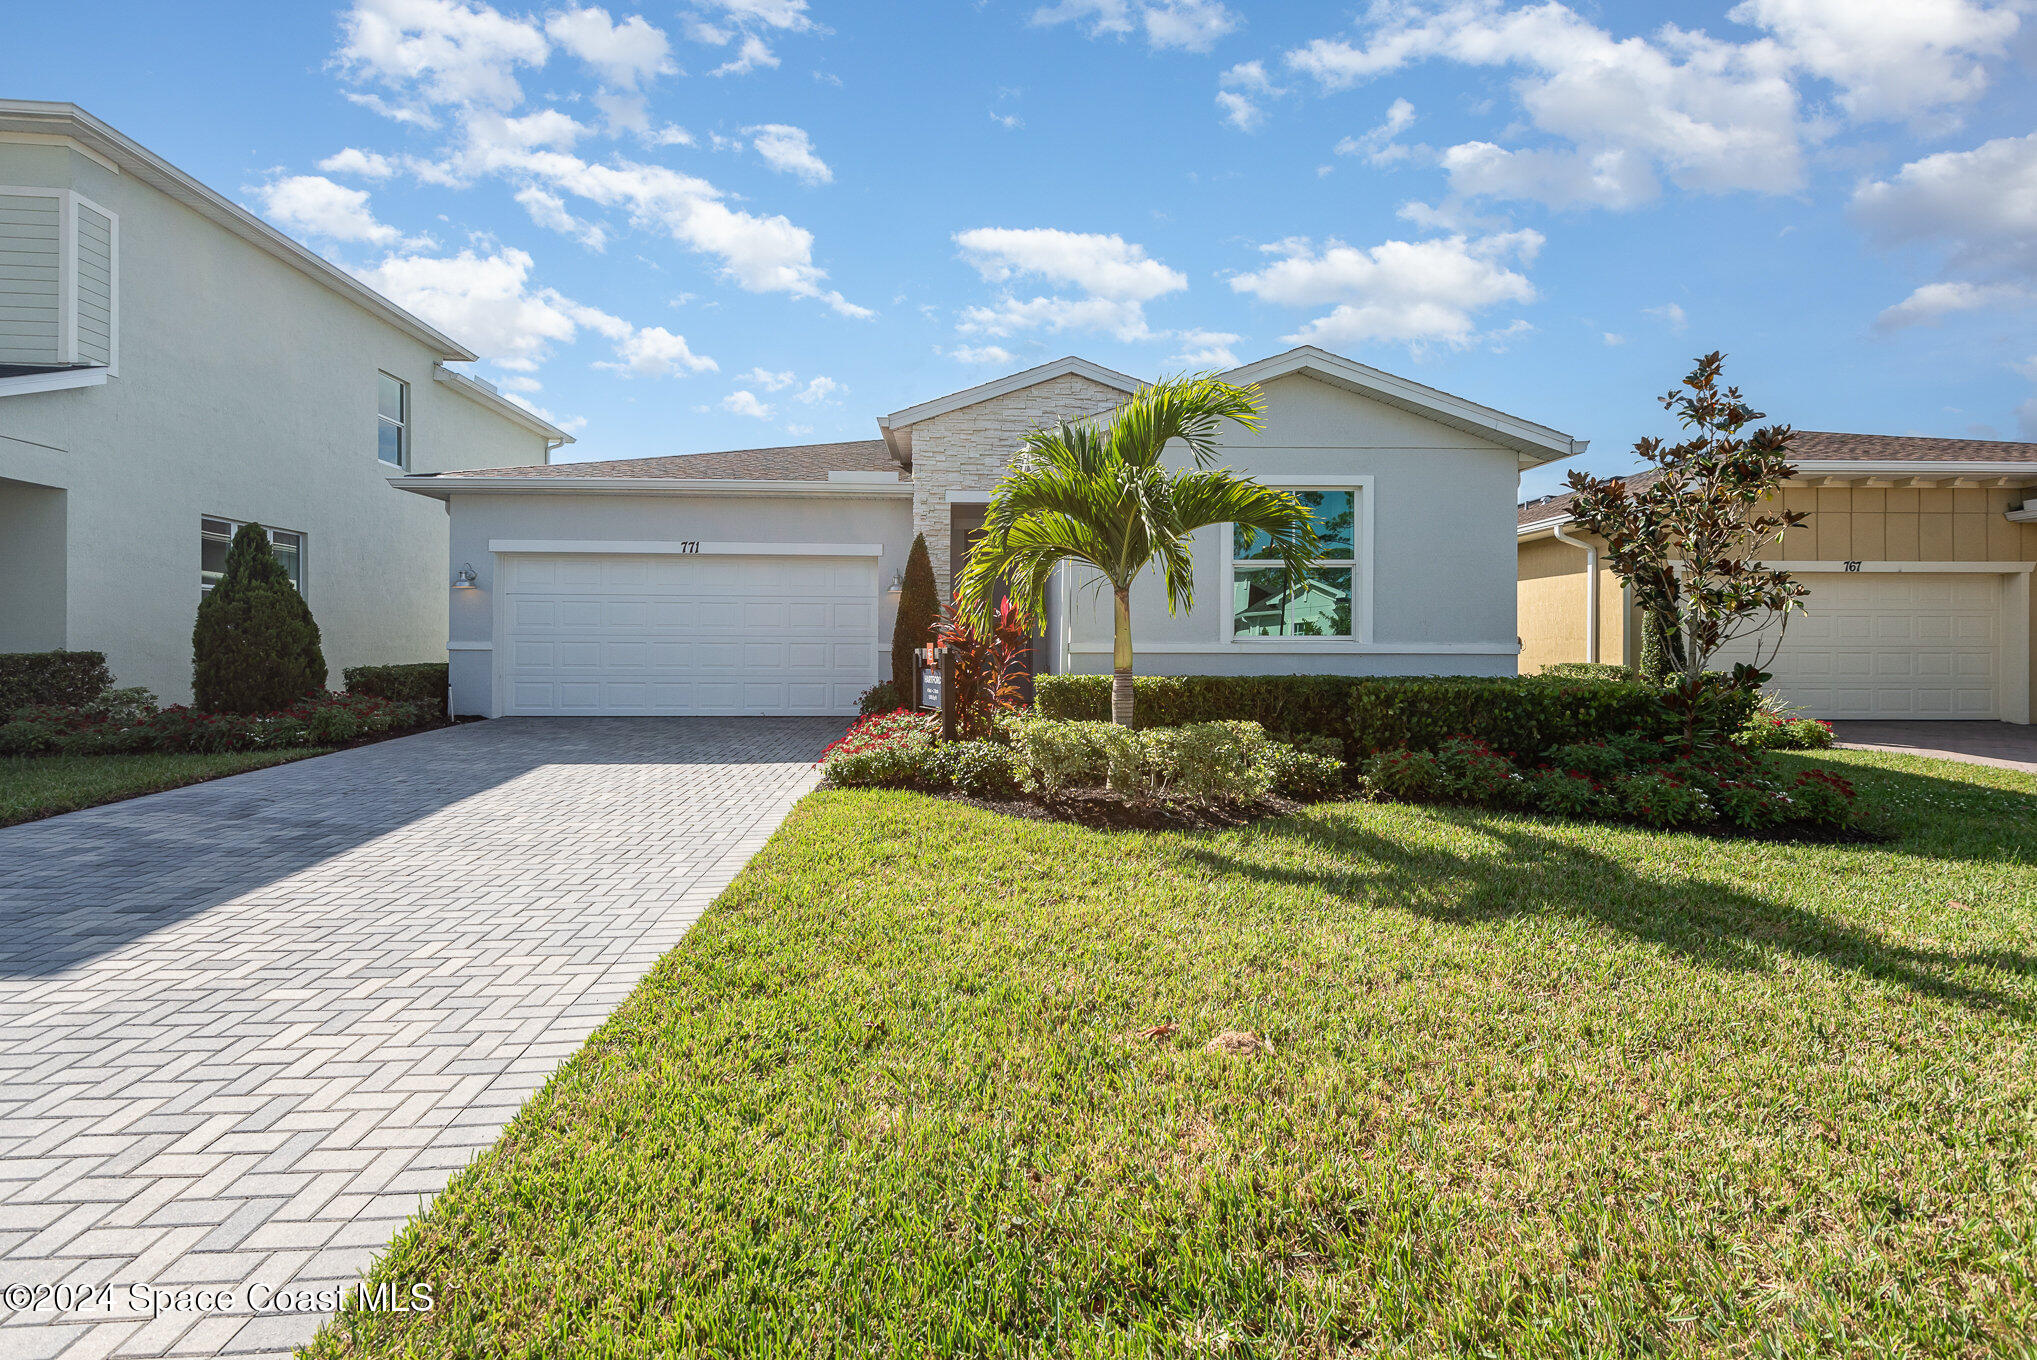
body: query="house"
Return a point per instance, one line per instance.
(760, 580)
(171, 367)
(1918, 555)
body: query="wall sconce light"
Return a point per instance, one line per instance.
(464, 578)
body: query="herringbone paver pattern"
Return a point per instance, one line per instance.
(248, 1027)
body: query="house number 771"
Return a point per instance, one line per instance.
(689, 545)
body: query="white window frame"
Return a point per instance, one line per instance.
(234, 526)
(1361, 568)
(402, 426)
(63, 379)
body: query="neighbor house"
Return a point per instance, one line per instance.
(1918, 554)
(762, 580)
(171, 367)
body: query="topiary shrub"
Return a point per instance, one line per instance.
(255, 648)
(919, 612)
(64, 678)
(415, 682)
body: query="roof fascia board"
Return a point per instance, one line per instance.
(70, 123)
(449, 484)
(499, 404)
(1536, 444)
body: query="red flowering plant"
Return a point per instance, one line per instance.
(884, 750)
(990, 670)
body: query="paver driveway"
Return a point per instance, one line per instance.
(247, 1027)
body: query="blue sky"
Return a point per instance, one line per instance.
(752, 222)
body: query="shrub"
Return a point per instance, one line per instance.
(981, 769)
(986, 670)
(1752, 805)
(885, 750)
(1600, 760)
(1304, 775)
(1661, 799)
(414, 682)
(1211, 762)
(919, 609)
(128, 720)
(1822, 799)
(1475, 773)
(41, 678)
(1566, 793)
(1407, 776)
(1785, 734)
(882, 697)
(1588, 670)
(1055, 755)
(255, 647)
(1520, 716)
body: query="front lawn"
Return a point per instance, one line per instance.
(1534, 1088)
(42, 786)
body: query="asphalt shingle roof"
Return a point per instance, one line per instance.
(1812, 446)
(790, 463)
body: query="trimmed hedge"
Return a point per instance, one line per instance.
(416, 682)
(1588, 670)
(31, 678)
(1520, 715)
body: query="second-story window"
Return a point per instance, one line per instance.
(392, 435)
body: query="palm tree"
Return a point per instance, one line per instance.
(1097, 494)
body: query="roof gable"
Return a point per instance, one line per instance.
(1534, 444)
(898, 425)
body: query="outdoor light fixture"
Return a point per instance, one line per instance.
(464, 578)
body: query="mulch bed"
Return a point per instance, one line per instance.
(1100, 810)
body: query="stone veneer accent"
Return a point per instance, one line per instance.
(968, 449)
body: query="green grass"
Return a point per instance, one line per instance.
(1536, 1089)
(41, 786)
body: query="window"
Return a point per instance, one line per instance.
(215, 537)
(1267, 603)
(392, 420)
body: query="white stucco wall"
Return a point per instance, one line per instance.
(248, 391)
(1441, 557)
(567, 516)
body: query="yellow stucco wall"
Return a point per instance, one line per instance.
(1846, 524)
(1550, 603)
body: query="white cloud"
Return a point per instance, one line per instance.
(1185, 25)
(1981, 204)
(523, 384)
(1706, 114)
(487, 302)
(624, 54)
(1378, 145)
(1242, 93)
(1669, 314)
(1890, 58)
(655, 352)
(1613, 339)
(1116, 278)
(744, 403)
(981, 354)
(1206, 349)
(719, 23)
(796, 429)
(548, 210)
(449, 51)
(766, 379)
(1933, 302)
(313, 205)
(819, 391)
(359, 163)
(789, 151)
(1410, 291)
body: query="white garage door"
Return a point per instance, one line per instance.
(1892, 645)
(614, 634)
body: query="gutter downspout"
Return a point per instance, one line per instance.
(1590, 590)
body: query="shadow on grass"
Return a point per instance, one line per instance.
(1529, 872)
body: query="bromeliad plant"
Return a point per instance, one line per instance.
(1097, 495)
(1689, 543)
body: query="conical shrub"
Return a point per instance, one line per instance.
(919, 610)
(256, 646)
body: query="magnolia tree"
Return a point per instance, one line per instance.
(1688, 544)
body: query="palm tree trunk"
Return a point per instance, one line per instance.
(1121, 661)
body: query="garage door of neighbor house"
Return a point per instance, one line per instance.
(1893, 645)
(712, 634)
